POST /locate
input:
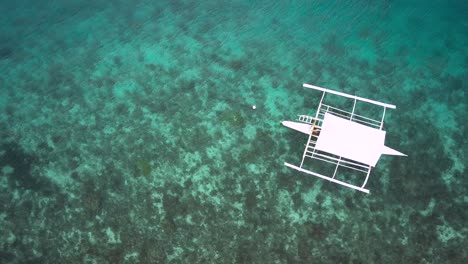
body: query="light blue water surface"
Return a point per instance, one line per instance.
(127, 133)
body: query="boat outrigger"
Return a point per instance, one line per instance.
(345, 139)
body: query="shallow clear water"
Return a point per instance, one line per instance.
(127, 133)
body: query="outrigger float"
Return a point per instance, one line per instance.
(342, 138)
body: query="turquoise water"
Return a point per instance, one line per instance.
(127, 133)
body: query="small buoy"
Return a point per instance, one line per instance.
(254, 107)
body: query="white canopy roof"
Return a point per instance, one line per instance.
(352, 140)
(331, 134)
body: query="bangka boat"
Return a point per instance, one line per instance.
(348, 140)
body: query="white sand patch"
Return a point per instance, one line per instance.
(250, 131)
(192, 160)
(445, 120)
(256, 168)
(58, 175)
(122, 89)
(446, 232)
(276, 101)
(286, 208)
(112, 238)
(429, 209)
(311, 196)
